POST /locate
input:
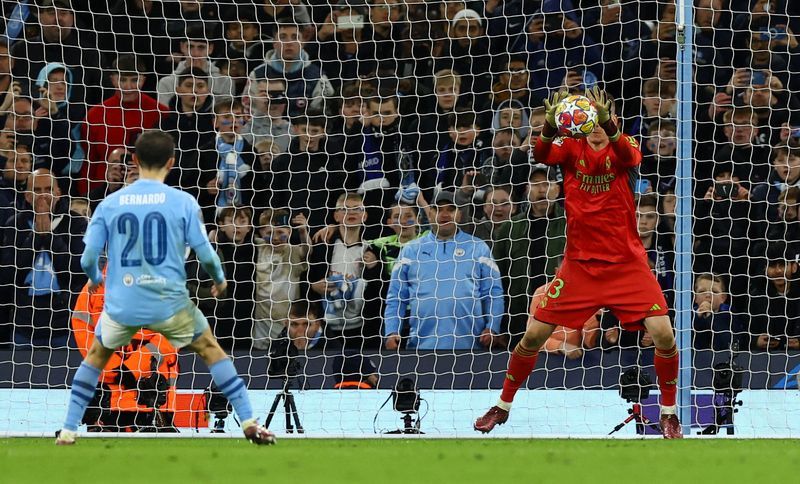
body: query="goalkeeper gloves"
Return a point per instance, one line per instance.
(550, 107)
(601, 103)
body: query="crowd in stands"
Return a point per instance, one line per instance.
(365, 169)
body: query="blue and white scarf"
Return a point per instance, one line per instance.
(230, 170)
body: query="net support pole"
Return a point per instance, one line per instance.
(683, 216)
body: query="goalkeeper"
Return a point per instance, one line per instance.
(605, 264)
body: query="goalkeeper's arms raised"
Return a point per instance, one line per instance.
(625, 147)
(545, 150)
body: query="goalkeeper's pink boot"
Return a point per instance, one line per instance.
(671, 427)
(257, 434)
(495, 416)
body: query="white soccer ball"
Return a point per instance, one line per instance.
(576, 116)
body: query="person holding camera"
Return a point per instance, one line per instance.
(722, 228)
(280, 263)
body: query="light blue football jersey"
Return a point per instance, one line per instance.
(145, 228)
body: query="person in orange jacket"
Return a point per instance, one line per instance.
(137, 379)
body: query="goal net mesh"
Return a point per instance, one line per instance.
(318, 137)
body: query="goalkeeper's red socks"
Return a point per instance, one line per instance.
(666, 362)
(520, 366)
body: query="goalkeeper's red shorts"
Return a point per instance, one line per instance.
(629, 290)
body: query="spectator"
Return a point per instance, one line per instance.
(567, 341)
(349, 52)
(460, 155)
(743, 147)
(119, 172)
(308, 178)
(196, 49)
(335, 272)
(17, 165)
(391, 33)
(277, 12)
(9, 88)
(374, 169)
(512, 114)
(508, 165)
(233, 314)
(558, 43)
(57, 132)
(775, 304)
(268, 116)
(41, 263)
(117, 121)
(140, 27)
(452, 286)
(190, 122)
(304, 326)
(466, 51)
(659, 161)
(61, 42)
(527, 248)
(660, 253)
(785, 173)
(231, 157)
(380, 256)
(243, 40)
(722, 229)
(714, 325)
(306, 86)
(279, 265)
(497, 209)
(512, 85)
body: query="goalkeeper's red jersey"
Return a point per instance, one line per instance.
(598, 192)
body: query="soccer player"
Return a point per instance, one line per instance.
(145, 228)
(605, 264)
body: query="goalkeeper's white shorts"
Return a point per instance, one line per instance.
(180, 330)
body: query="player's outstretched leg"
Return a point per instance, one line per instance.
(84, 384)
(227, 380)
(520, 366)
(666, 363)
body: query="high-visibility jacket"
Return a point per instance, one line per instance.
(147, 351)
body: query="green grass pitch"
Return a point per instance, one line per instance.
(491, 461)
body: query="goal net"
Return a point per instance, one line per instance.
(318, 137)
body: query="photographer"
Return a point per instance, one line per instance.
(137, 386)
(722, 228)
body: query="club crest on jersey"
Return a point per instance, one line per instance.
(127, 280)
(459, 252)
(608, 163)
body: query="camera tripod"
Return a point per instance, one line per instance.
(289, 408)
(635, 414)
(409, 428)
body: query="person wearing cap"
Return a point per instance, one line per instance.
(527, 247)
(466, 51)
(449, 286)
(775, 303)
